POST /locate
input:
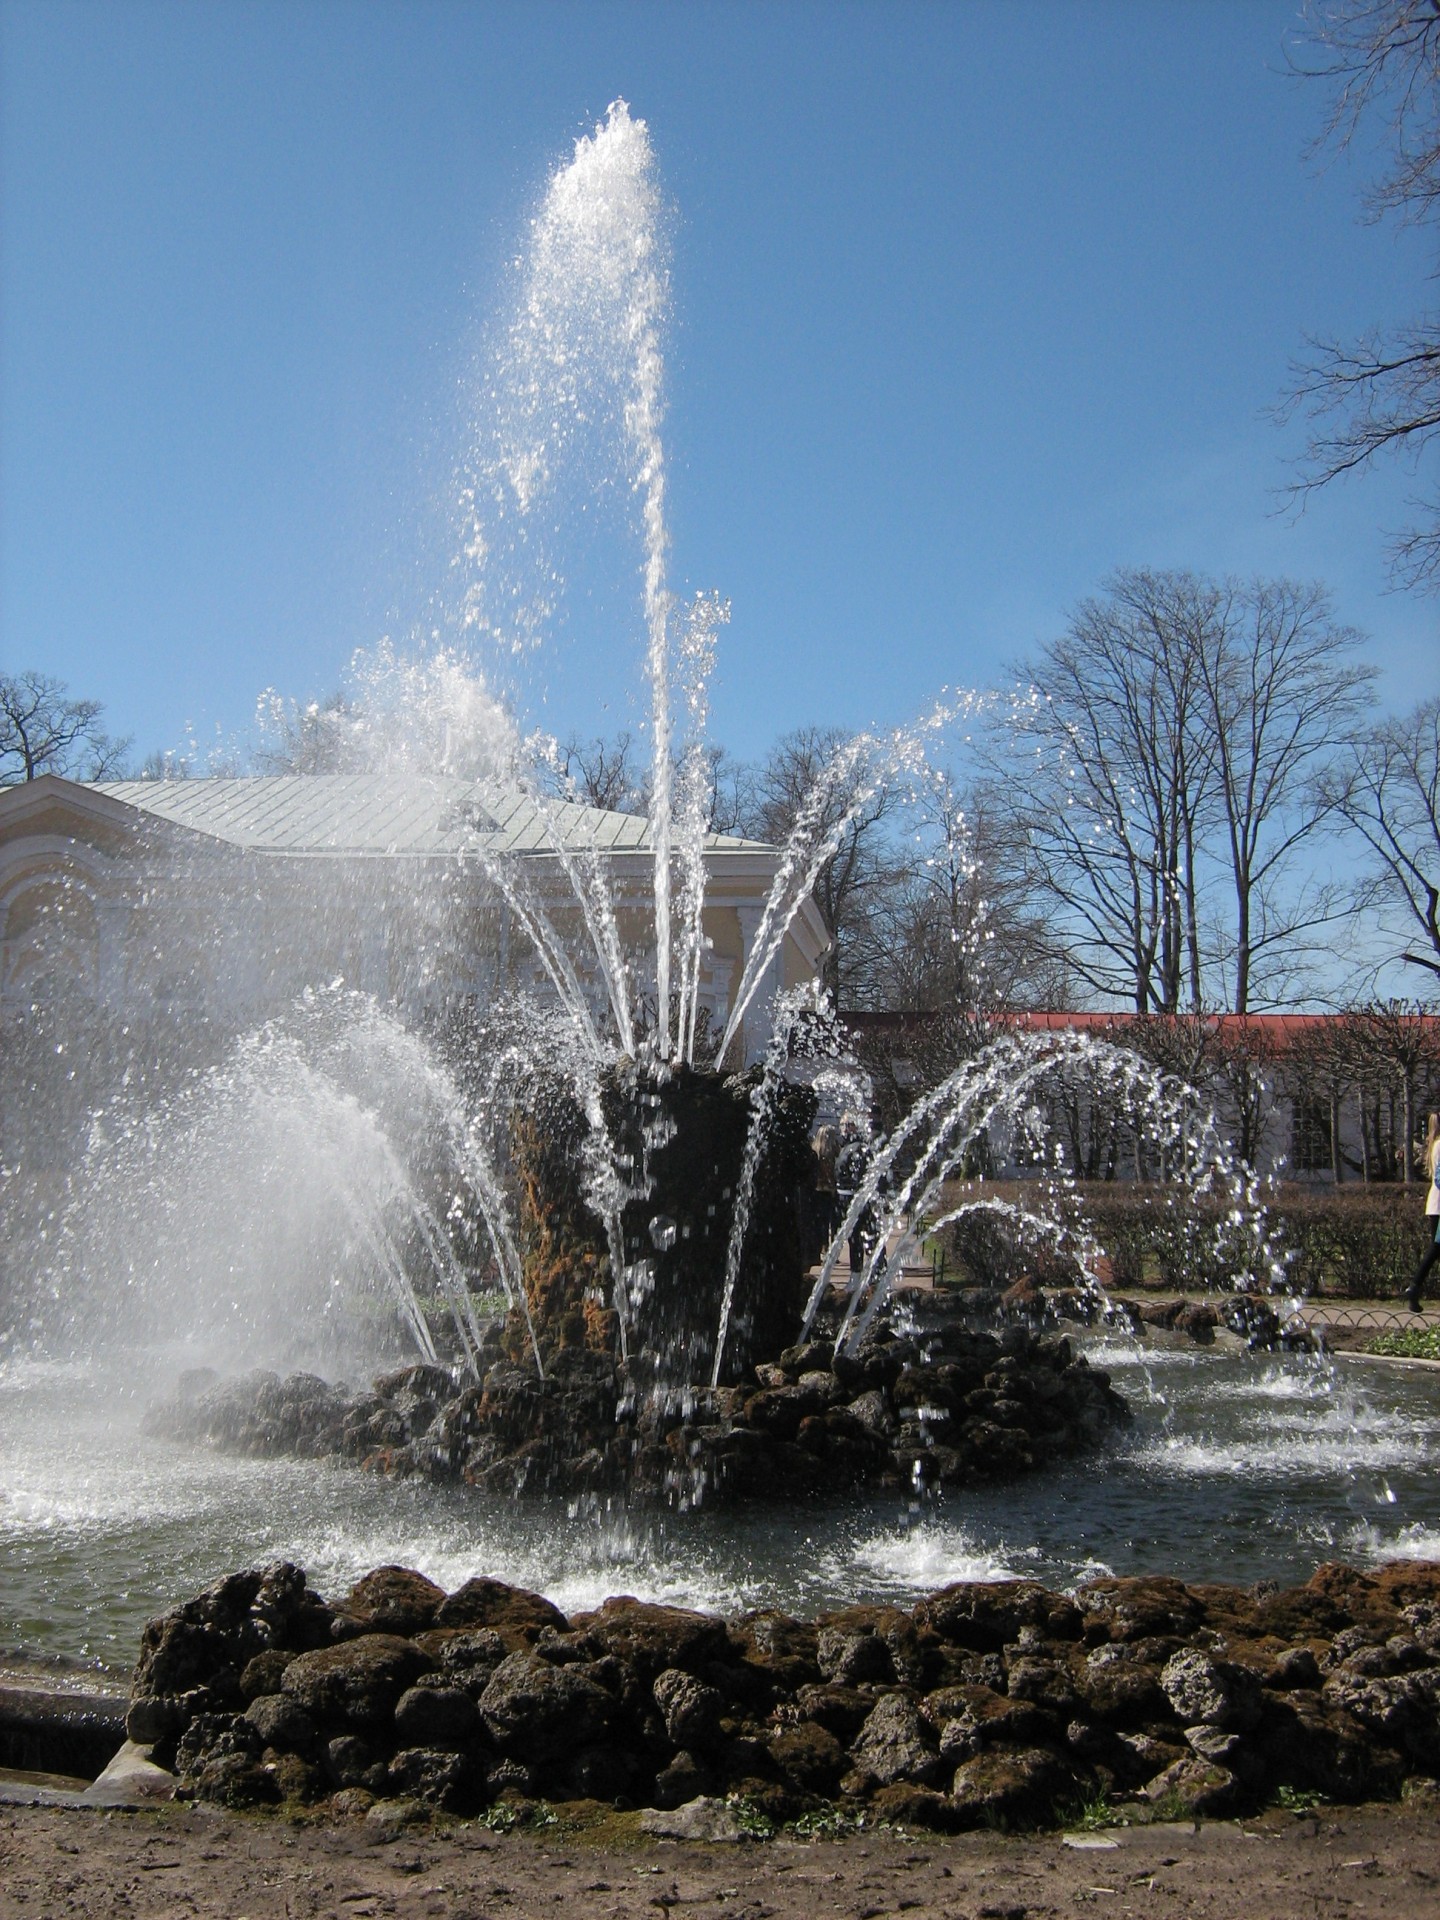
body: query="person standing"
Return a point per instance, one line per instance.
(1431, 1163)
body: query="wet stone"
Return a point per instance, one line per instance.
(235, 1780)
(810, 1757)
(358, 1683)
(691, 1709)
(1013, 1788)
(604, 1772)
(353, 1762)
(840, 1710)
(281, 1722)
(514, 1612)
(1044, 1682)
(1215, 1744)
(295, 1777)
(264, 1673)
(1203, 1690)
(813, 1421)
(435, 1717)
(539, 1712)
(685, 1778)
(394, 1600)
(1195, 1786)
(435, 1777)
(895, 1743)
(854, 1656)
(1187, 1693)
(1295, 1667)
(212, 1736)
(651, 1638)
(464, 1650)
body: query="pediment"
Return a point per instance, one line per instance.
(52, 808)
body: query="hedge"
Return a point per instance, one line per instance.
(1358, 1242)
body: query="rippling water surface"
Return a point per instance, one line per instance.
(1237, 1468)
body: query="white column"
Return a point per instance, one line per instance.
(758, 1014)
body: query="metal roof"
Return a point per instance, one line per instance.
(385, 815)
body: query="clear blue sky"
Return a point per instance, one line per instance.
(975, 302)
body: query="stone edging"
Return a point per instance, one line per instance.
(1000, 1704)
(1384, 1359)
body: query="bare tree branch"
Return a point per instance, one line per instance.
(1381, 60)
(603, 773)
(1389, 794)
(42, 730)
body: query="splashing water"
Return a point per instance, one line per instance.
(286, 1198)
(372, 1158)
(995, 1092)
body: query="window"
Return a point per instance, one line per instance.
(1310, 1137)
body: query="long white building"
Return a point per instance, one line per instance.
(222, 899)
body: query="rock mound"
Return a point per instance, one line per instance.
(947, 1405)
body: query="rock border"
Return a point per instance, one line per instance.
(999, 1704)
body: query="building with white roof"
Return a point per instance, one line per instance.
(224, 898)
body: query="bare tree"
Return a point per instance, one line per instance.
(1115, 786)
(906, 1056)
(1397, 1048)
(1282, 691)
(1174, 742)
(849, 884)
(1381, 60)
(1244, 1055)
(1389, 793)
(320, 736)
(603, 773)
(42, 730)
(732, 792)
(1322, 1063)
(951, 928)
(166, 764)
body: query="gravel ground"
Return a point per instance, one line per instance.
(177, 1862)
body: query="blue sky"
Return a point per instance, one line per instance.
(974, 303)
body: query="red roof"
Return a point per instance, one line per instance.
(1281, 1027)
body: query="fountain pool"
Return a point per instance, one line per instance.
(1238, 1467)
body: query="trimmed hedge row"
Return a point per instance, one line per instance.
(1357, 1242)
(1361, 1242)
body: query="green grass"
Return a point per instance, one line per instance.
(1089, 1816)
(826, 1823)
(752, 1821)
(1410, 1343)
(1298, 1799)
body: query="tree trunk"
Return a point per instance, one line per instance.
(1242, 953)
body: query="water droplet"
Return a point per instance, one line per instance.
(662, 1233)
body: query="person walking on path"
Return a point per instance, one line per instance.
(1431, 1163)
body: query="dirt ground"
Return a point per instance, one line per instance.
(176, 1862)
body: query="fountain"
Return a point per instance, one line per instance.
(595, 1152)
(570, 1221)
